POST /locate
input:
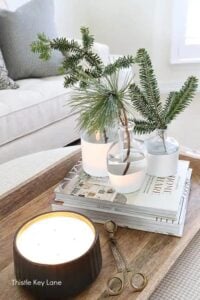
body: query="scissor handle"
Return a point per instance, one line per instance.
(110, 226)
(140, 287)
(115, 284)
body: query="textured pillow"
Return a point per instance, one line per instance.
(5, 81)
(18, 30)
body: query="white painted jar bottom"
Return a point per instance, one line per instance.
(130, 182)
(162, 165)
(94, 158)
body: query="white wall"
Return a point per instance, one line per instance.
(132, 24)
(70, 16)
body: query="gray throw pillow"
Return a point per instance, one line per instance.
(18, 30)
(5, 81)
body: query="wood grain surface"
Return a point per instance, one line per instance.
(151, 253)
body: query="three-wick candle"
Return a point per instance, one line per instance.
(59, 247)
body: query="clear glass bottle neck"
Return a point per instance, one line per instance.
(161, 144)
(125, 137)
(125, 131)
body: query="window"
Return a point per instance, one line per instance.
(186, 32)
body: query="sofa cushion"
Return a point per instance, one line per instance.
(18, 29)
(36, 104)
(5, 81)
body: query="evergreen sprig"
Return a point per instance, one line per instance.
(120, 63)
(88, 39)
(102, 103)
(143, 127)
(42, 46)
(178, 101)
(98, 86)
(65, 46)
(146, 98)
(80, 64)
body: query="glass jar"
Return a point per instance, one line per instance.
(126, 162)
(94, 148)
(162, 154)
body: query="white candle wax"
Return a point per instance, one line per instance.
(55, 238)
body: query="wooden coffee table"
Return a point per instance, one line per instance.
(150, 253)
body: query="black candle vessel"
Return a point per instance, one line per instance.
(57, 254)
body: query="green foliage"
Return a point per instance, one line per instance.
(102, 103)
(88, 40)
(178, 101)
(98, 96)
(65, 46)
(120, 63)
(81, 64)
(42, 46)
(143, 127)
(146, 98)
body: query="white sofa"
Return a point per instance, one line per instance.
(36, 116)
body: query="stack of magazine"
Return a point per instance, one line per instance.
(159, 206)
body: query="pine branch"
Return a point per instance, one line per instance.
(180, 100)
(147, 101)
(142, 127)
(42, 46)
(99, 99)
(140, 102)
(121, 63)
(94, 73)
(81, 64)
(149, 83)
(147, 77)
(93, 59)
(96, 113)
(100, 103)
(88, 40)
(70, 80)
(64, 45)
(71, 62)
(169, 99)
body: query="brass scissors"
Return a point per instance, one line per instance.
(124, 276)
